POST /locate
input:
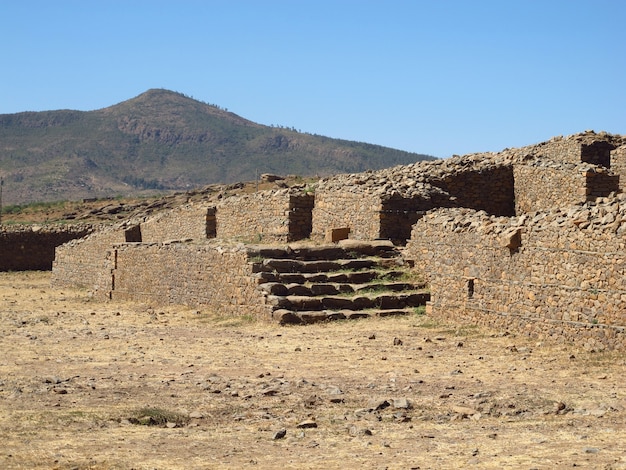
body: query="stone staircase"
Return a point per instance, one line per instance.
(352, 279)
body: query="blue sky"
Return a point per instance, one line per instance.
(440, 77)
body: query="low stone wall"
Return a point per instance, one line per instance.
(578, 150)
(541, 186)
(188, 221)
(31, 248)
(82, 263)
(585, 147)
(280, 216)
(557, 274)
(490, 189)
(213, 275)
(353, 208)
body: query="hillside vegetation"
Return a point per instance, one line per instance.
(161, 141)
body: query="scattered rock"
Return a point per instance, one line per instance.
(464, 411)
(307, 424)
(311, 401)
(279, 434)
(270, 391)
(333, 390)
(378, 404)
(402, 403)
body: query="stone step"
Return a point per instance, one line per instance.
(386, 286)
(356, 277)
(320, 289)
(290, 317)
(352, 279)
(298, 266)
(384, 301)
(291, 266)
(343, 250)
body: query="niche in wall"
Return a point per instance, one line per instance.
(133, 234)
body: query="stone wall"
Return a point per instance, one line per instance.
(557, 274)
(191, 221)
(213, 275)
(273, 216)
(27, 248)
(578, 151)
(600, 182)
(300, 216)
(618, 165)
(386, 203)
(82, 263)
(553, 273)
(543, 186)
(585, 147)
(279, 216)
(359, 210)
(482, 188)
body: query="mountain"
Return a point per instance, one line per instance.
(161, 141)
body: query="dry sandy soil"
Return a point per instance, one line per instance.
(85, 384)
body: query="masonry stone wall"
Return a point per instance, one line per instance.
(214, 275)
(540, 186)
(279, 216)
(26, 248)
(82, 263)
(558, 274)
(191, 221)
(490, 189)
(600, 182)
(544, 272)
(273, 216)
(301, 216)
(386, 203)
(577, 151)
(585, 147)
(356, 209)
(618, 165)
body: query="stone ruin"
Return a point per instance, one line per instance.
(28, 248)
(529, 239)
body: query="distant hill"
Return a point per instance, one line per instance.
(161, 141)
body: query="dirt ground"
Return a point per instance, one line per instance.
(91, 385)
